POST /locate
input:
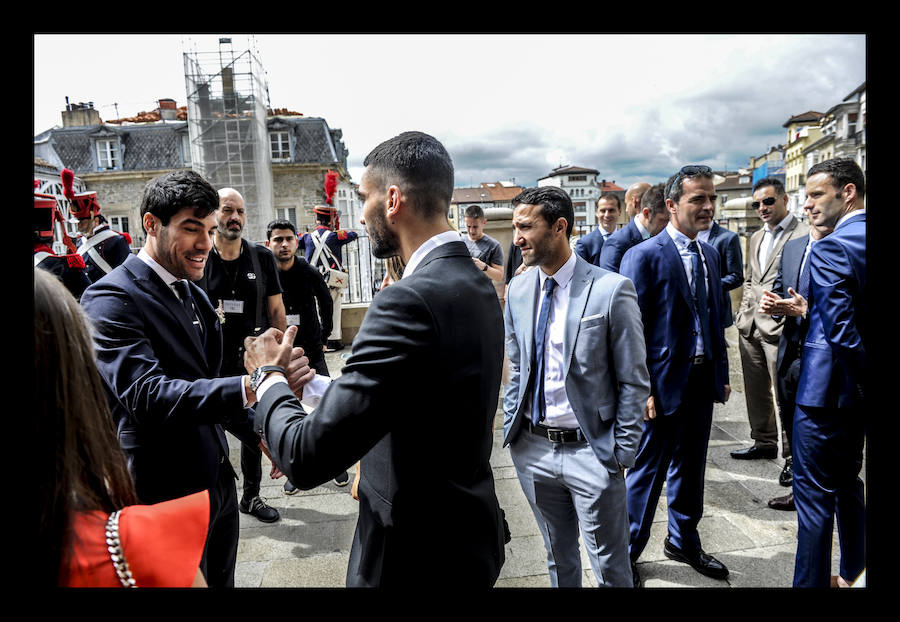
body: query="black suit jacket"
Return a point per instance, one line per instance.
(794, 328)
(416, 401)
(160, 377)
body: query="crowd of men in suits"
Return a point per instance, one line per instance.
(614, 369)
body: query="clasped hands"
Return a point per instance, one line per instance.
(274, 347)
(795, 306)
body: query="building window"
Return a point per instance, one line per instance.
(280, 145)
(287, 213)
(119, 223)
(577, 177)
(108, 154)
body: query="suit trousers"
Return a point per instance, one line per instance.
(567, 486)
(673, 451)
(828, 452)
(220, 553)
(759, 361)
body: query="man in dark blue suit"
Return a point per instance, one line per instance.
(729, 246)
(678, 286)
(159, 348)
(608, 209)
(650, 220)
(829, 423)
(789, 299)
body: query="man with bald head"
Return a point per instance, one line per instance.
(633, 197)
(241, 281)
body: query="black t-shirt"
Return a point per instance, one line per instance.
(232, 285)
(302, 285)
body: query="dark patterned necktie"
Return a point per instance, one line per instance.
(187, 301)
(538, 406)
(700, 297)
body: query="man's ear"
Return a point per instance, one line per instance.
(151, 224)
(393, 200)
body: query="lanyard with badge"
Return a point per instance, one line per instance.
(232, 305)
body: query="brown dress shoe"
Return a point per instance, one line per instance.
(783, 503)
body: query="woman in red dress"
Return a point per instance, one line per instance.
(92, 530)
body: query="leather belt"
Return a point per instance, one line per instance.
(557, 435)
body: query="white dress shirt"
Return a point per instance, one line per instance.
(681, 244)
(169, 279)
(558, 413)
(429, 245)
(770, 238)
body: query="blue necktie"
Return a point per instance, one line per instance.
(538, 406)
(803, 283)
(700, 298)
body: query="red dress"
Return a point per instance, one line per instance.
(162, 544)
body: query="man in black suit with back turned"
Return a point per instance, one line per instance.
(159, 350)
(417, 397)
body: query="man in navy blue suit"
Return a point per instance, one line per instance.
(159, 349)
(678, 286)
(651, 218)
(829, 423)
(608, 209)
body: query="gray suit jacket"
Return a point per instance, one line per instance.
(607, 383)
(758, 278)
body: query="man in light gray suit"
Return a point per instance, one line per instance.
(576, 394)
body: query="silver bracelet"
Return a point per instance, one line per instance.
(114, 546)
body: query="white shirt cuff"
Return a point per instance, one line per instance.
(312, 391)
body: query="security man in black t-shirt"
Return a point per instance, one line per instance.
(241, 281)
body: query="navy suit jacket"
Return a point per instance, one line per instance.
(588, 246)
(615, 246)
(833, 364)
(160, 378)
(794, 328)
(665, 300)
(728, 245)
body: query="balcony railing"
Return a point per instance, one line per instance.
(366, 272)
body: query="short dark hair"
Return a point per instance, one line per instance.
(474, 211)
(166, 195)
(611, 196)
(655, 199)
(554, 202)
(418, 163)
(279, 224)
(776, 183)
(843, 171)
(675, 183)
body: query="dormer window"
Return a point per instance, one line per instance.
(108, 154)
(280, 145)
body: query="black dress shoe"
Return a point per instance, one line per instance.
(260, 509)
(787, 473)
(701, 562)
(756, 452)
(635, 575)
(785, 503)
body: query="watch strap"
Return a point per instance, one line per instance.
(260, 373)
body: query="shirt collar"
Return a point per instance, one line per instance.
(783, 224)
(562, 276)
(855, 212)
(164, 274)
(429, 245)
(677, 236)
(643, 231)
(703, 236)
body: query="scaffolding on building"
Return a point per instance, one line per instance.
(227, 99)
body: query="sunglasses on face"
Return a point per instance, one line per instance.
(768, 202)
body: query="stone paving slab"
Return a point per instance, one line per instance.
(309, 546)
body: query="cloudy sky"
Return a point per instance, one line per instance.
(634, 107)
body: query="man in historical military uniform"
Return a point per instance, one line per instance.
(101, 248)
(69, 268)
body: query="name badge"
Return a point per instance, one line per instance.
(233, 306)
(293, 319)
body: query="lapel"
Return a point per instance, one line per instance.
(673, 260)
(713, 232)
(770, 260)
(154, 287)
(579, 290)
(753, 259)
(524, 303)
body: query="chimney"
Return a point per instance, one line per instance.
(168, 110)
(80, 115)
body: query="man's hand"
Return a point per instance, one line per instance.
(795, 306)
(299, 372)
(273, 347)
(650, 409)
(275, 473)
